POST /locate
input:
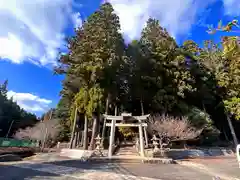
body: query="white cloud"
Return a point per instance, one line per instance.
(29, 102)
(77, 20)
(232, 7)
(177, 16)
(32, 30)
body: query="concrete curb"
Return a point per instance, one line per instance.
(133, 160)
(205, 169)
(10, 157)
(159, 161)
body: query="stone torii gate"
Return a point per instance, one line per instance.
(125, 116)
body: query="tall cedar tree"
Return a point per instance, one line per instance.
(94, 58)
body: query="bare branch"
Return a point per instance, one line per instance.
(38, 132)
(172, 128)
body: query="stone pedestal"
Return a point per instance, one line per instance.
(76, 153)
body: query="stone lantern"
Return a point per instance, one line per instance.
(98, 148)
(155, 143)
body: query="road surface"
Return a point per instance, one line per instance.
(73, 170)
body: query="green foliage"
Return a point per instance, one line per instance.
(127, 132)
(95, 53)
(11, 112)
(225, 28)
(164, 64)
(199, 118)
(233, 106)
(89, 100)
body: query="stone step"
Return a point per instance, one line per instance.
(126, 152)
(131, 150)
(76, 153)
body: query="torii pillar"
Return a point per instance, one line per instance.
(141, 139)
(112, 137)
(140, 125)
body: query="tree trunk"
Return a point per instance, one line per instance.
(104, 122)
(94, 132)
(235, 140)
(85, 140)
(45, 137)
(73, 129)
(76, 139)
(46, 132)
(225, 134)
(142, 109)
(82, 138)
(116, 110)
(79, 139)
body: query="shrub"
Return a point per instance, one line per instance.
(169, 128)
(45, 132)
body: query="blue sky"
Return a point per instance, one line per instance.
(32, 33)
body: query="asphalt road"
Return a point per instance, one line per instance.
(72, 170)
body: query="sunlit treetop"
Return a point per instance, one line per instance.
(224, 28)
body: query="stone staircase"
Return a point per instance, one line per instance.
(124, 153)
(126, 150)
(127, 153)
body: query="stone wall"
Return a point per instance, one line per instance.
(192, 153)
(63, 145)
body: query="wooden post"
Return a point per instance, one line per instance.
(141, 139)
(111, 141)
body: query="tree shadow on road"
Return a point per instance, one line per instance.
(12, 172)
(102, 167)
(94, 165)
(64, 169)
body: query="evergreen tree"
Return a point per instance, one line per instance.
(12, 117)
